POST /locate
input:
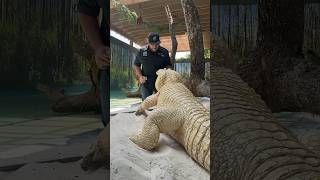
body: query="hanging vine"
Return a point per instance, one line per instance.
(134, 18)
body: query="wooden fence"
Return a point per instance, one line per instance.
(237, 22)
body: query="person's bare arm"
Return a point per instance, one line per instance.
(142, 79)
(137, 71)
(90, 27)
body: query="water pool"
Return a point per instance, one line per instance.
(31, 103)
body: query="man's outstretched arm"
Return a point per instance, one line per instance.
(90, 27)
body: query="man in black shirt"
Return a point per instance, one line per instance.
(99, 38)
(148, 61)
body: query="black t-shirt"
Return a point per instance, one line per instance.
(151, 62)
(92, 8)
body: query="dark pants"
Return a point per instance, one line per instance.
(105, 96)
(146, 91)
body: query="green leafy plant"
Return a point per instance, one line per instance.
(120, 78)
(131, 16)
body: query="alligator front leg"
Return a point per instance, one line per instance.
(149, 102)
(163, 120)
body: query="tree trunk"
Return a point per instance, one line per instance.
(229, 26)
(77, 103)
(71, 104)
(219, 21)
(244, 50)
(172, 30)
(195, 39)
(132, 94)
(280, 27)
(278, 71)
(196, 82)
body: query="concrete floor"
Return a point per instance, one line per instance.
(48, 148)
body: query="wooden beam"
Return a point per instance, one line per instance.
(119, 31)
(129, 2)
(159, 22)
(162, 3)
(153, 11)
(138, 31)
(161, 18)
(156, 11)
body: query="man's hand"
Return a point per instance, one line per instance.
(90, 26)
(142, 79)
(102, 57)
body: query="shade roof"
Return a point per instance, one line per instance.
(154, 11)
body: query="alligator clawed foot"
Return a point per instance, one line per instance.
(136, 139)
(141, 112)
(94, 159)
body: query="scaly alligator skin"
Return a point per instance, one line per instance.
(249, 143)
(98, 154)
(178, 113)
